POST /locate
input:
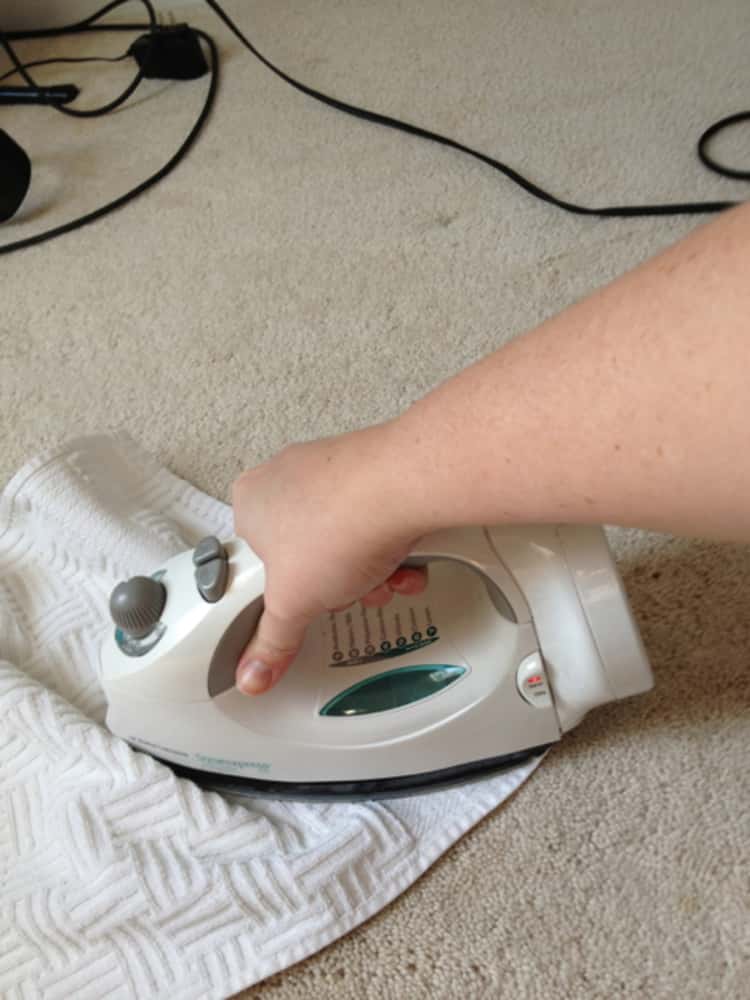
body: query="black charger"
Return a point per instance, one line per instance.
(170, 53)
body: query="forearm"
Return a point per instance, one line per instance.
(632, 407)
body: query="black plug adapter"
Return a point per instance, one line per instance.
(170, 53)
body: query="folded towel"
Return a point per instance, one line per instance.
(119, 879)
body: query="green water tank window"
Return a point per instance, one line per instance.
(393, 689)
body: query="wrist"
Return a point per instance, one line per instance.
(407, 474)
(394, 487)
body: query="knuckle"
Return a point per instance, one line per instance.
(275, 650)
(375, 570)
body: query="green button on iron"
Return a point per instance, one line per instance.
(393, 689)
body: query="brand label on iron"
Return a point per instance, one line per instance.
(201, 760)
(262, 766)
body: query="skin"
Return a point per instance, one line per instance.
(631, 407)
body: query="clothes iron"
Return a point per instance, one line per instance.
(519, 633)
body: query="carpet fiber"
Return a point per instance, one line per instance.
(303, 273)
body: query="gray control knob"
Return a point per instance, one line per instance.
(136, 605)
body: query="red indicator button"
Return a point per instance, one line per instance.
(531, 682)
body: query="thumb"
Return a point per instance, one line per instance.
(276, 642)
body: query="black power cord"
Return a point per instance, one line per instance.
(90, 24)
(67, 59)
(614, 211)
(22, 69)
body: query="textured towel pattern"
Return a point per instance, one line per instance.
(118, 879)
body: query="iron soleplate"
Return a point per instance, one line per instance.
(350, 791)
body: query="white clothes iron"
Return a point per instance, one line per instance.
(519, 633)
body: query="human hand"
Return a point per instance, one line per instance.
(331, 527)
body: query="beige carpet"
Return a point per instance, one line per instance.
(303, 273)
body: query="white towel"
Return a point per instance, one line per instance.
(118, 879)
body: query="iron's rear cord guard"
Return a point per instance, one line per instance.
(90, 24)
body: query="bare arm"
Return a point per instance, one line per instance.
(632, 408)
